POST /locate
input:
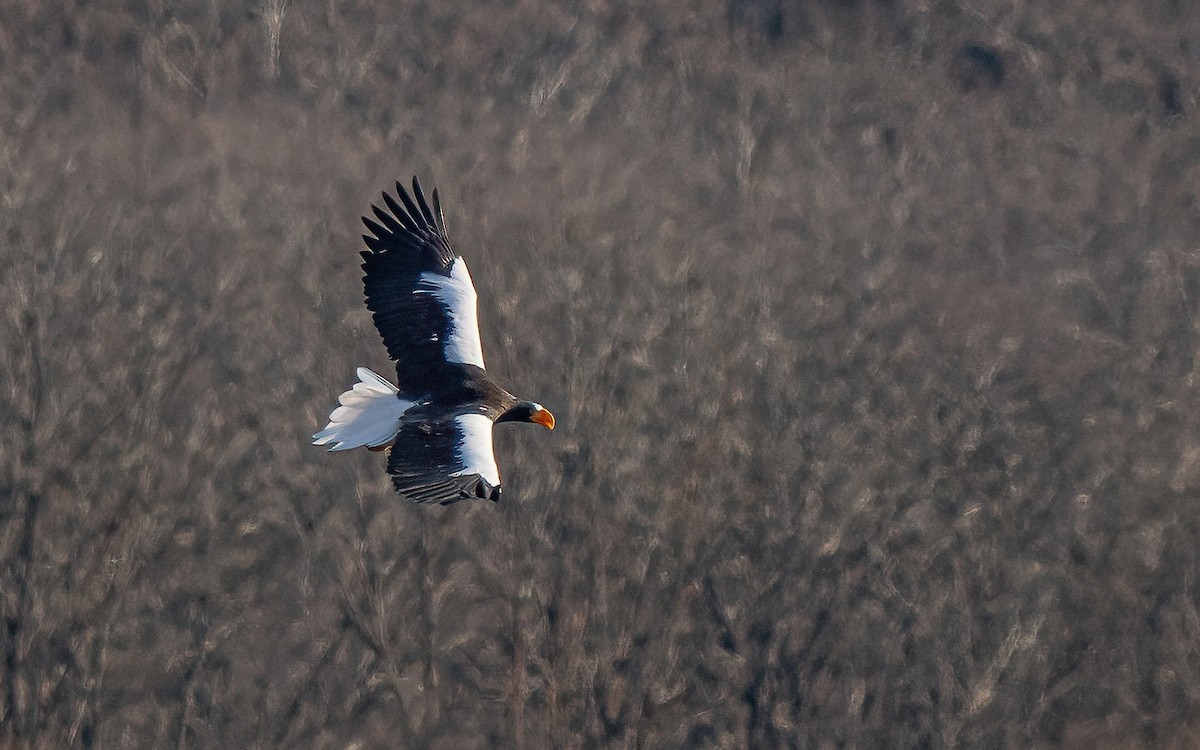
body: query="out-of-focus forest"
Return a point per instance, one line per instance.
(870, 327)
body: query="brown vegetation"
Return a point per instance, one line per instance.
(871, 327)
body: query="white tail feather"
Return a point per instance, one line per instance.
(369, 415)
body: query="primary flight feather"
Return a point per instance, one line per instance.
(437, 420)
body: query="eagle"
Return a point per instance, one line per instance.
(436, 421)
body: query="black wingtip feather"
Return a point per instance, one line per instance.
(375, 229)
(398, 211)
(387, 219)
(414, 213)
(424, 205)
(437, 211)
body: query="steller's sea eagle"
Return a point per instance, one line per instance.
(438, 420)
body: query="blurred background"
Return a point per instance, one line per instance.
(870, 327)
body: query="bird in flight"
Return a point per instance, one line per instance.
(437, 421)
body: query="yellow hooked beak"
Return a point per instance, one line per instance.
(543, 417)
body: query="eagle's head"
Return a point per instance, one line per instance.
(528, 411)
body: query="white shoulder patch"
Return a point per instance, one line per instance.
(457, 294)
(475, 450)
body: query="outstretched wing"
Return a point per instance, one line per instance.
(420, 293)
(445, 460)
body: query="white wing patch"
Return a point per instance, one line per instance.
(475, 450)
(457, 294)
